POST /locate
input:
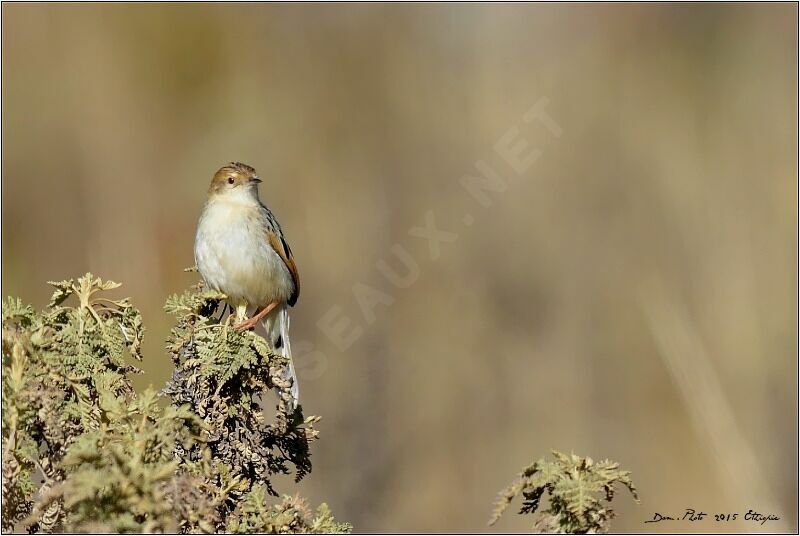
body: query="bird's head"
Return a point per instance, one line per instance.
(235, 179)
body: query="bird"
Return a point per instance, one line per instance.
(240, 251)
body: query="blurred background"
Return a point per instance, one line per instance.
(631, 295)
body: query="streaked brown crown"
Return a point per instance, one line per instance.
(230, 175)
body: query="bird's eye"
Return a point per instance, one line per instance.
(230, 180)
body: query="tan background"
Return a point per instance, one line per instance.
(632, 295)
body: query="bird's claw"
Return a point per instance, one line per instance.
(245, 325)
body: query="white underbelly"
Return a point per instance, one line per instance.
(235, 258)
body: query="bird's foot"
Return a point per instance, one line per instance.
(250, 323)
(246, 325)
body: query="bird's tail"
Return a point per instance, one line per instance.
(277, 325)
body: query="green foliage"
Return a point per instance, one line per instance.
(118, 474)
(61, 369)
(223, 374)
(83, 452)
(580, 492)
(291, 515)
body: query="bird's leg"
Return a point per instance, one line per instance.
(241, 311)
(238, 314)
(260, 313)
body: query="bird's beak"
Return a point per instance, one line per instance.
(255, 180)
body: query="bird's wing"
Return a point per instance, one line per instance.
(280, 246)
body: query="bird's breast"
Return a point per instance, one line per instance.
(234, 256)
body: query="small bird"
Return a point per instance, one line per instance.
(241, 252)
